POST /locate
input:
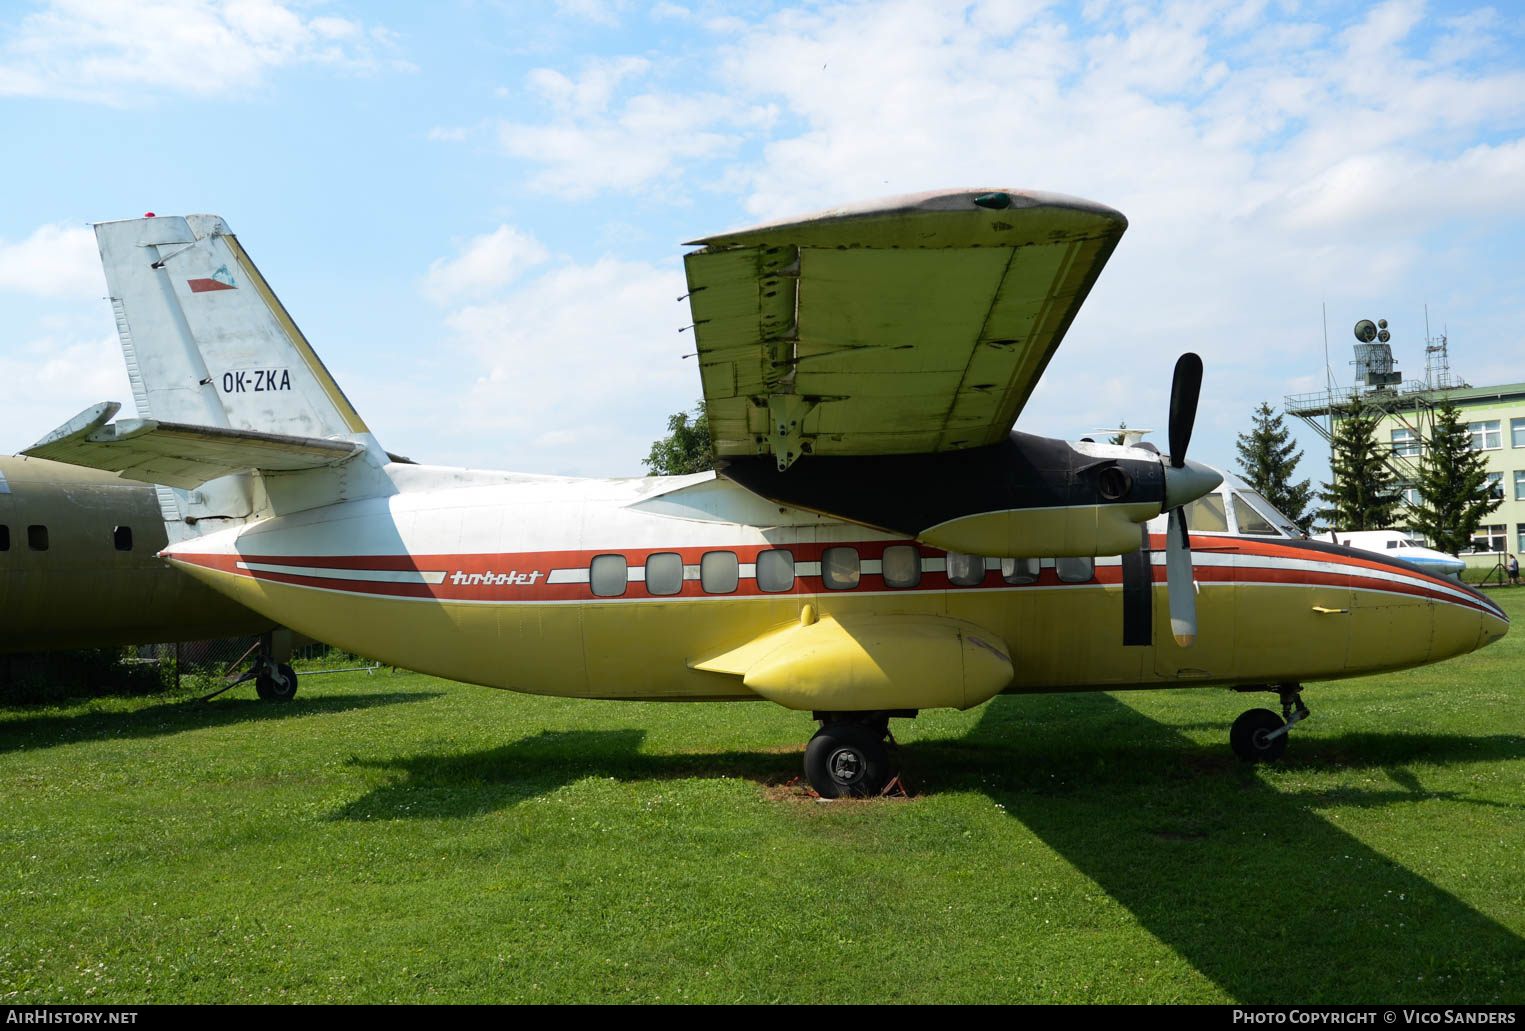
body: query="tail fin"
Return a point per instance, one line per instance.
(208, 344)
(205, 338)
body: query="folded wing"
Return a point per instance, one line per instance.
(909, 325)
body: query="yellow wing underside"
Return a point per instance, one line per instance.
(909, 325)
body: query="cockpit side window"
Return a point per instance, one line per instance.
(1273, 514)
(1206, 515)
(1252, 523)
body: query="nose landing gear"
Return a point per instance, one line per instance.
(1259, 735)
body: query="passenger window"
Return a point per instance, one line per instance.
(1206, 514)
(1250, 521)
(608, 575)
(664, 573)
(839, 568)
(775, 570)
(901, 566)
(719, 572)
(1075, 570)
(1019, 570)
(5, 538)
(37, 537)
(966, 570)
(122, 538)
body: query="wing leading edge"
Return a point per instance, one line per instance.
(908, 325)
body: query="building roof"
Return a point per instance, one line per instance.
(1415, 393)
(1479, 395)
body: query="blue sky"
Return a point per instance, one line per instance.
(475, 209)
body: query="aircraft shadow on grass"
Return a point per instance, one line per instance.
(1259, 892)
(1251, 885)
(482, 782)
(179, 716)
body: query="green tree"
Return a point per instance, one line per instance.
(685, 449)
(1268, 457)
(1121, 435)
(1453, 485)
(1363, 493)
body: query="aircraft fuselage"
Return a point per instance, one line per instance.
(625, 588)
(79, 565)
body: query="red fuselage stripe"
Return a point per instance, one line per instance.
(523, 577)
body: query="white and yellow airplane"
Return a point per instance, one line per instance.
(877, 539)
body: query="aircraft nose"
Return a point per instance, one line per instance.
(1494, 627)
(1465, 625)
(1189, 482)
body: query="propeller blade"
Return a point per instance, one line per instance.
(1179, 581)
(1184, 391)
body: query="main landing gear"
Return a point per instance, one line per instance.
(1260, 735)
(274, 680)
(852, 755)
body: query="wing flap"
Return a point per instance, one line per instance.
(917, 323)
(179, 454)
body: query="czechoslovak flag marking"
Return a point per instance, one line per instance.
(222, 279)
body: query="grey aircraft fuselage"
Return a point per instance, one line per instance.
(79, 566)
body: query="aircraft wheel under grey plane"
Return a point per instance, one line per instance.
(276, 682)
(876, 537)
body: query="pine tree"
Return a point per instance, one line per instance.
(1453, 485)
(1121, 435)
(685, 449)
(1363, 494)
(1267, 460)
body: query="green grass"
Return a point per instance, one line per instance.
(399, 838)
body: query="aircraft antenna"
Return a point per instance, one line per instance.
(1328, 370)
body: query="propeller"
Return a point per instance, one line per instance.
(1183, 483)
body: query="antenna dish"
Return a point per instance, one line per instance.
(1381, 323)
(1383, 335)
(1366, 331)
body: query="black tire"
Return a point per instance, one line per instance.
(272, 689)
(1248, 736)
(847, 759)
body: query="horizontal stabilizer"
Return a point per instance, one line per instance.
(178, 454)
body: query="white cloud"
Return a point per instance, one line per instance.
(485, 263)
(64, 374)
(55, 261)
(594, 142)
(666, 10)
(600, 12)
(589, 93)
(1368, 192)
(567, 360)
(108, 51)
